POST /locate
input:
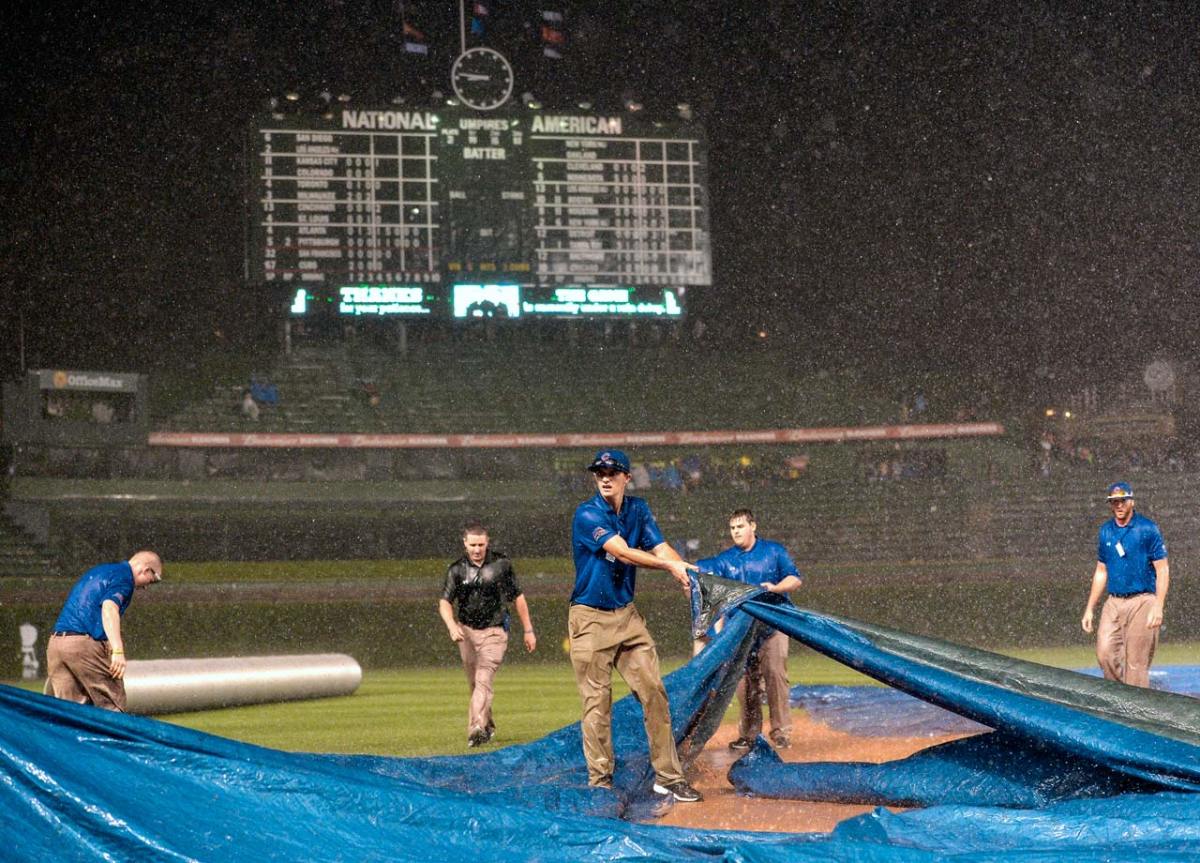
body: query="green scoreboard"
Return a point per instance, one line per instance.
(424, 213)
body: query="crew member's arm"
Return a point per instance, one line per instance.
(1099, 582)
(110, 619)
(663, 557)
(522, 608)
(446, 610)
(1162, 581)
(787, 585)
(664, 551)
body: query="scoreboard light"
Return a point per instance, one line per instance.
(383, 301)
(300, 302)
(486, 301)
(602, 302)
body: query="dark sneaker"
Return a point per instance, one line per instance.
(780, 740)
(477, 737)
(680, 790)
(742, 744)
(489, 733)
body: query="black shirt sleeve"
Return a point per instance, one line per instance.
(450, 588)
(509, 588)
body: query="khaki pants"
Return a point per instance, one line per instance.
(766, 672)
(482, 652)
(1124, 644)
(77, 670)
(601, 640)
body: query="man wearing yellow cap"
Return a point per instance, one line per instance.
(1132, 567)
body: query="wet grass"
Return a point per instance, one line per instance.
(430, 570)
(384, 612)
(422, 711)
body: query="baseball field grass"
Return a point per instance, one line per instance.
(422, 711)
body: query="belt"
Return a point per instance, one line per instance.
(72, 632)
(1128, 595)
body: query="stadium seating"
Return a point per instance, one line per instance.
(21, 556)
(506, 387)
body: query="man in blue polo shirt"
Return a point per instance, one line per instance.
(612, 534)
(1132, 566)
(85, 661)
(768, 565)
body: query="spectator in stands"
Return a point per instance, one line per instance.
(85, 660)
(794, 466)
(1045, 454)
(264, 392)
(745, 471)
(250, 408)
(767, 564)
(1133, 568)
(478, 587)
(639, 477)
(672, 478)
(611, 535)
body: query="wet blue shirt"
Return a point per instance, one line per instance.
(766, 561)
(601, 580)
(1133, 571)
(81, 611)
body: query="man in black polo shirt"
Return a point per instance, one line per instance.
(479, 585)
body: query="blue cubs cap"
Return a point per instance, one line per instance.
(1120, 491)
(610, 458)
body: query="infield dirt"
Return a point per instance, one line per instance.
(722, 808)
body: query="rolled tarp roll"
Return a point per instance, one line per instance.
(173, 685)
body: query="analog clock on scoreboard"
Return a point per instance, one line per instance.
(482, 79)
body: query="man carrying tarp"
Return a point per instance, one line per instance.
(1132, 567)
(611, 535)
(766, 564)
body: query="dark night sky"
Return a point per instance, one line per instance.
(986, 185)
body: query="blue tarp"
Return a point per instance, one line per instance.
(78, 783)
(1059, 734)
(880, 711)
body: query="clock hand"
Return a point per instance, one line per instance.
(470, 76)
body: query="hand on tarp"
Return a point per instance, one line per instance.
(713, 597)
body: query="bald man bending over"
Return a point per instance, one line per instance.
(86, 657)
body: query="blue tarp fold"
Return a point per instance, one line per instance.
(1044, 712)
